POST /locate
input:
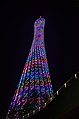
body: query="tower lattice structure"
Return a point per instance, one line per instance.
(34, 90)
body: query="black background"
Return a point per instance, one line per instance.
(17, 29)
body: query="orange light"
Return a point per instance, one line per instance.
(40, 16)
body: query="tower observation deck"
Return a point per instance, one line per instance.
(34, 90)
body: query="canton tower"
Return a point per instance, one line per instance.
(34, 90)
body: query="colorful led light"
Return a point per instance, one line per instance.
(34, 88)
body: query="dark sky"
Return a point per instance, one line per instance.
(61, 41)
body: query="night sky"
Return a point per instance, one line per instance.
(17, 29)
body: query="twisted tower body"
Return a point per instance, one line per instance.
(34, 90)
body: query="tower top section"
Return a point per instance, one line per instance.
(39, 22)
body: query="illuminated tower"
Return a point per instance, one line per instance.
(34, 90)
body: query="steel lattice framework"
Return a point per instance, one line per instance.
(34, 89)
